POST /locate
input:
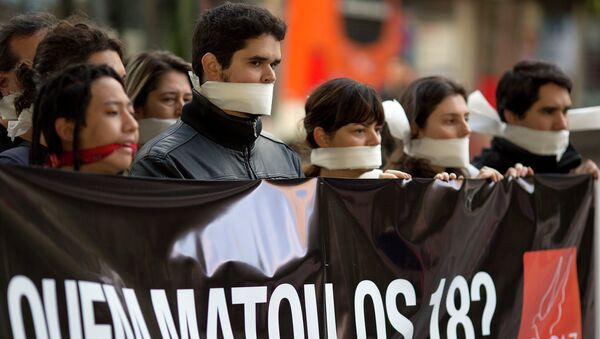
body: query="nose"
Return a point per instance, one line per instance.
(268, 76)
(465, 129)
(179, 107)
(373, 138)
(560, 122)
(130, 125)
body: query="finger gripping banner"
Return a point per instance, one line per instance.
(86, 256)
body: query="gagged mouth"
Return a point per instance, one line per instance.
(129, 146)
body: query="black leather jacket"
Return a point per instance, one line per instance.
(208, 144)
(504, 154)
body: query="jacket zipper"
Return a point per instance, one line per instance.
(249, 168)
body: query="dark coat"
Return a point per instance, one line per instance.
(504, 154)
(208, 144)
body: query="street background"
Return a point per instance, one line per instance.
(386, 43)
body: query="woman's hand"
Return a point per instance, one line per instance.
(587, 167)
(489, 173)
(519, 171)
(445, 176)
(393, 174)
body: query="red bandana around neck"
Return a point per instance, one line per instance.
(86, 156)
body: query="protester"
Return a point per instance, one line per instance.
(19, 38)
(533, 99)
(435, 131)
(86, 120)
(343, 124)
(236, 48)
(158, 85)
(69, 43)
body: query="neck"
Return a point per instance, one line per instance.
(355, 173)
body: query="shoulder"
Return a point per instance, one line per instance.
(495, 156)
(278, 154)
(166, 142)
(267, 138)
(16, 156)
(154, 158)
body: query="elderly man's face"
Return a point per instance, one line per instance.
(23, 48)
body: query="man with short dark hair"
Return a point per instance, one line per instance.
(533, 99)
(236, 48)
(19, 39)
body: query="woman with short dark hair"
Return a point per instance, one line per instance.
(343, 125)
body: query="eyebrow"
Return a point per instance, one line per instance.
(262, 59)
(456, 113)
(117, 102)
(545, 108)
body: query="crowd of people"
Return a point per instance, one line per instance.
(68, 101)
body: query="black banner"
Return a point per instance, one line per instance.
(86, 256)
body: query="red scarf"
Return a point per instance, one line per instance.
(86, 156)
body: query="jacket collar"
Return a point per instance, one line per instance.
(229, 131)
(539, 163)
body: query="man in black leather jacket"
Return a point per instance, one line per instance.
(533, 99)
(238, 45)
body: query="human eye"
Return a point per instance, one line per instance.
(451, 121)
(548, 110)
(169, 100)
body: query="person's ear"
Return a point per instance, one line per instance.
(211, 67)
(321, 137)
(65, 129)
(510, 117)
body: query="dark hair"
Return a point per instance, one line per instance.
(339, 102)
(71, 42)
(423, 95)
(66, 94)
(419, 100)
(144, 72)
(20, 26)
(224, 30)
(518, 88)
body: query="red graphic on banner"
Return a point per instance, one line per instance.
(551, 306)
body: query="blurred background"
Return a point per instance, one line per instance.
(386, 43)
